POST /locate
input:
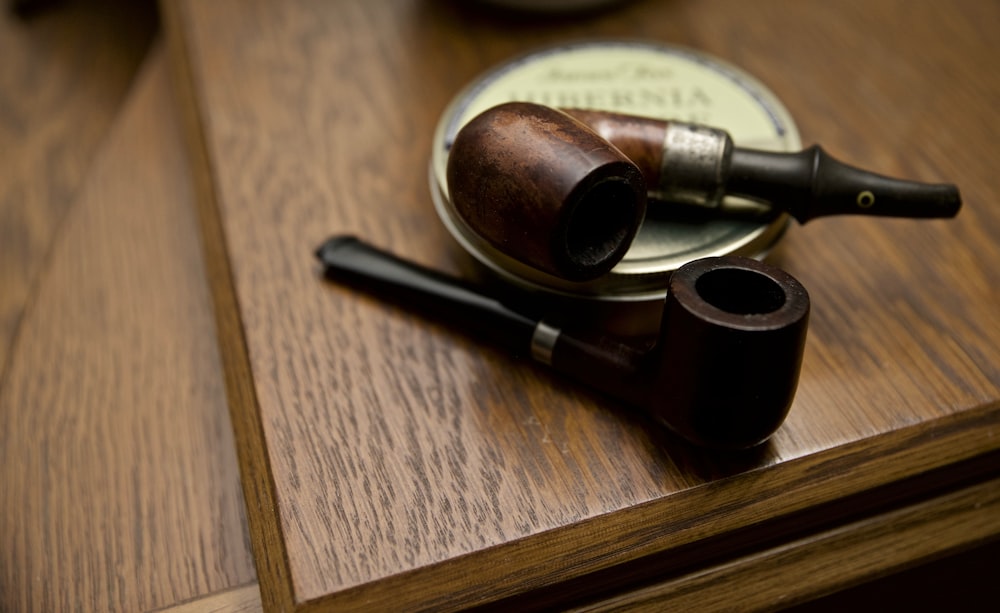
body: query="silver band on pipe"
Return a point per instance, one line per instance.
(695, 163)
(543, 342)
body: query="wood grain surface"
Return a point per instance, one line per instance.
(388, 461)
(63, 77)
(119, 487)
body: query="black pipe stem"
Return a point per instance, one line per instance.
(447, 299)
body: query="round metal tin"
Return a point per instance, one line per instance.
(641, 78)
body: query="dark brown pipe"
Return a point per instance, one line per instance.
(545, 189)
(722, 372)
(725, 367)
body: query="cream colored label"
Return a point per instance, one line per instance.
(640, 79)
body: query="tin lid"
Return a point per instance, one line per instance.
(640, 78)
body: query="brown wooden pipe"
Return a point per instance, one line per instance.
(545, 189)
(722, 372)
(565, 191)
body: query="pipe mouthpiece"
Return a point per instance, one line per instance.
(812, 184)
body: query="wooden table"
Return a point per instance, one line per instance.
(390, 462)
(119, 487)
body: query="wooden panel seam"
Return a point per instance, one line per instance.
(273, 574)
(931, 529)
(239, 599)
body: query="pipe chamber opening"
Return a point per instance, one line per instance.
(599, 225)
(740, 291)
